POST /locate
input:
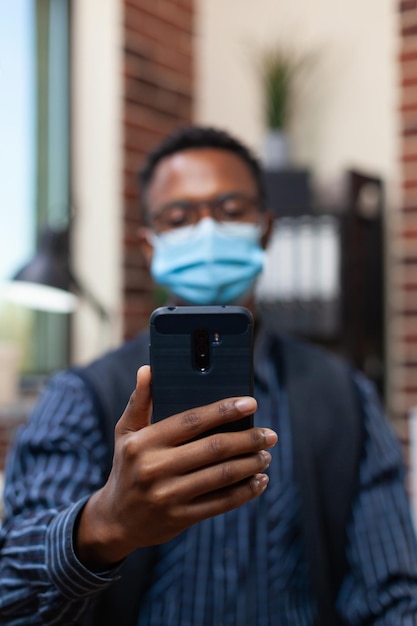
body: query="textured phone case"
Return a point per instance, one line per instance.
(177, 384)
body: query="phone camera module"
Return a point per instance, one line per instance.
(201, 350)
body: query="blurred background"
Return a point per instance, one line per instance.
(324, 91)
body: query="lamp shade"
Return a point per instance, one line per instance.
(45, 282)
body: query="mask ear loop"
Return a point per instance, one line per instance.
(263, 225)
(151, 237)
(266, 224)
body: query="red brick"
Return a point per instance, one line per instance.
(164, 11)
(136, 279)
(408, 24)
(133, 256)
(408, 49)
(150, 30)
(158, 99)
(407, 5)
(152, 72)
(409, 82)
(148, 118)
(410, 183)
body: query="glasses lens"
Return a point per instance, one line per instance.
(224, 208)
(236, 208)
(175, 216)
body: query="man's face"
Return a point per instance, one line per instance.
(198, 183)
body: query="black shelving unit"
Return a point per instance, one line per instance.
(352, 322)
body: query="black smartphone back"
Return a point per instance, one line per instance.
(198, 355)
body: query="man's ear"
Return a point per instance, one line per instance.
(268, 218)
(144, 236)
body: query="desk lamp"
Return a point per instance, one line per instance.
(46, 282)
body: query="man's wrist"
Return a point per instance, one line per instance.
(69, 574)
(95, 541)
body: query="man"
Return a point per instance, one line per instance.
(178, 531)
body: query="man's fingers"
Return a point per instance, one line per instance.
(222, 446)
(190, 424)
(228, 498)
(138, 411)
(221, 475)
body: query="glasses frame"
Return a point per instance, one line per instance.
(252, 207)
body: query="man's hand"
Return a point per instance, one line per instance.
(164, 480)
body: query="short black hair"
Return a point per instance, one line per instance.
(195, 137)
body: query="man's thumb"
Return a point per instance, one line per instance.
(137, 413)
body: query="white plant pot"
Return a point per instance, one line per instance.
(276, 149)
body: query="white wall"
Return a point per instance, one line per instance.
(97, 168)
(346, 110)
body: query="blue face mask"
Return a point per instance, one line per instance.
(209, 262)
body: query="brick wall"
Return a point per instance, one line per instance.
(158, 96)
(405, 269)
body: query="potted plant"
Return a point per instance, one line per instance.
(278, 69)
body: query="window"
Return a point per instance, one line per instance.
(34, 160)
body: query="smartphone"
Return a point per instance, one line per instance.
(198, 355)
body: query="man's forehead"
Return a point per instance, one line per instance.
(187, 164)
(201, 171)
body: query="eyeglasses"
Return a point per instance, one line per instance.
(230, 207)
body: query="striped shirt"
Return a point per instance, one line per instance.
(246, 567)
